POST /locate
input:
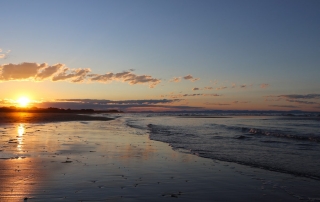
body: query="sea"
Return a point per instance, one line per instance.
(283, 143)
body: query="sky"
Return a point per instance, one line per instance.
(161, 55)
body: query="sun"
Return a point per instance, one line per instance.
(23, 101)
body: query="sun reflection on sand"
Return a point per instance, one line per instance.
(21, 131)
(17, 174)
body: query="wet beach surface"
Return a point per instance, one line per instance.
(109, 161)
(25, 117)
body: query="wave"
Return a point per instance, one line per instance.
(250, 152)
(267, 132)
(305, 137)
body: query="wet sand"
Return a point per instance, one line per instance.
(25, 117)
(108, 161)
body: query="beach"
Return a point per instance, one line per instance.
(25, 117)
(95, 159)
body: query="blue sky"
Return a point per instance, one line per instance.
(239, 53)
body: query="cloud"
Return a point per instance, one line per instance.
(126, 76)
(205, 88)
(295, 98)
(175, 79)
(23, 71)
(125, 105)
(243, 102)
(225, 103)
(190, 78)
(121, 102)
(6, 101)
(76, 75)
(105, 78)
(284, 106)
(199, 94)
(271, 98)
(189, 95)
(59, 72)
(233, 85)
(214, 95)
(3, 55)
(40, 72)
(301, 96)
(192, 95)
(215, 82)
(221, 88)
(302, 102)
(48, 71)
(264, 85)
(214, 103)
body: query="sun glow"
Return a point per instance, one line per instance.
(23, 101)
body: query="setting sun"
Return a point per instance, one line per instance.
(23, 101)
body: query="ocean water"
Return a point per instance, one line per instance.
(288, 144)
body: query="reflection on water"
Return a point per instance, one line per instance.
(21, 131)
(17, 173)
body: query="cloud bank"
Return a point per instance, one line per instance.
(124, 105)
(175, 96)
(59, 72)
(305, 99)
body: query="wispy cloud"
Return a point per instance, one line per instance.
(126, 76)
(125, 105)
(295, 98)
(175, 79)
(75, 75)
(216, 103)
(221, 88)
(3, 54)
(302, 102)
(301, 96)
(225, 103)
(121, 102)
(190, 78)
(208, 88)
(174, 96)
(213, 95)
(238, 102)
(204, 88)
(59, 72)
(264, 85)
(285, 106)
